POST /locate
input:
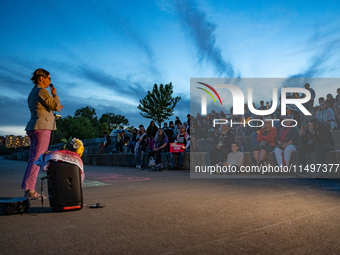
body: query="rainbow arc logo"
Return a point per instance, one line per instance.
(209, 93)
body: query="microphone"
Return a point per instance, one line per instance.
(51, 85)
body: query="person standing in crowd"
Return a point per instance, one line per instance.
(320, 100)
(119, 136)
(123, 140)
(141, 146)
(133, 140)
(330, 100)
(267, 105)
(325, 115)
(188, 119)
(262, 107)
(336, 109)
(287, 141)
(266, 139)
(106, 142)
(200, 119)
(160, 145)
(196, 133)
(177, 128)
(182, 138)
(247, 118)
(165, 125)
(310, 103)
(293, 113)
(170, 133)
(41, 104)
(295, 95)
(187, 127)
(315, 137)
(177, 121)
(151, 132)
(338, 94)
(222, 141)
(235, 157)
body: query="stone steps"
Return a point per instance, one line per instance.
(197, 158)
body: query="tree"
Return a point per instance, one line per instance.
(130, 129)
(90, 113)
(113, 121)
(87, 112)
(105, 128)
(158, 104)
(79, 127)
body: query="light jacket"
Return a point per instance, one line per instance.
(42, 105)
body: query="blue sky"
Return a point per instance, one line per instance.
(108, 54)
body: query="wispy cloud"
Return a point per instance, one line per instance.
(203, 33)
(125, 87)
(325, 43)
(125, 27)
(318, 63)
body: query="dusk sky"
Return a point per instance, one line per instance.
(108, 54)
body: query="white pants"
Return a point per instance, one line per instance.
(287, 154)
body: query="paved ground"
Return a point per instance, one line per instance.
(169, 213)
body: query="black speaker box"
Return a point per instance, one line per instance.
(64, 187)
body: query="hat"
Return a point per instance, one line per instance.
(292, 107)
(185, 123)
(181, 126)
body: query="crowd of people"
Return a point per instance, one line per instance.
(303, 137)
(312, 135)
(153, 140)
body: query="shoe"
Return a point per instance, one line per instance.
(137, 166)
(33, 195)
(261, 163)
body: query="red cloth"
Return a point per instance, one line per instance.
(283, 133)
(270, 137)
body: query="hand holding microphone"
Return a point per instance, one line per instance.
(53, 90)
(54, 93)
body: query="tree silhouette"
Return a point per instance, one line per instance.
(158, 104)
(114, 121)
(80, 127)
(87, 112)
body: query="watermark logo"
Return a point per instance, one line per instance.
(238, 100)
(213, 90)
